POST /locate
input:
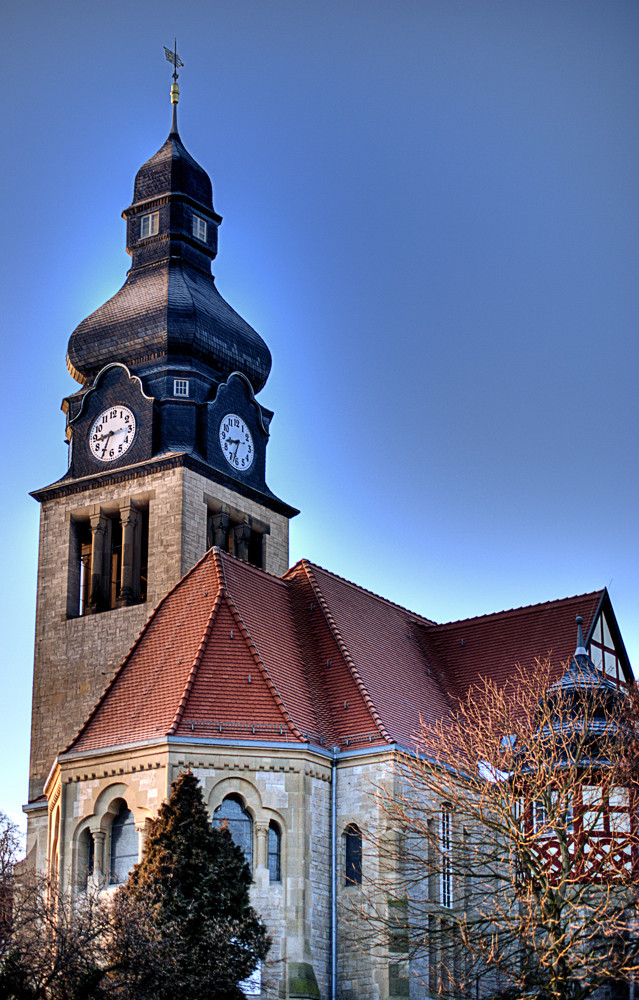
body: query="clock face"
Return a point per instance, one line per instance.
(236, 442)
(112, 433)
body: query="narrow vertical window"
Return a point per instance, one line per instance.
(274, 853)
(199, 228)
(149, 225)
(240, 825)
(86, 854)
(352, 855)
(445, 844)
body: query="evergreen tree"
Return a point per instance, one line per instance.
(184, 926)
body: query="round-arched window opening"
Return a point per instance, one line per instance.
(124, 845)
(352, 855)
(86, 854)
(274, 852)
(232, 813)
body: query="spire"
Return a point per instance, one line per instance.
(581, 649)
(176, 62)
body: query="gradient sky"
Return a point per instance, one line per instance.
(431, 215)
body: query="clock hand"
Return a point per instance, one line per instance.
(106, 443)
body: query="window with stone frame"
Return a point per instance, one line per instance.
(85, 859)
(274, 847)
(445, 848)
(233, 814)
(124, 845)
(352, 855)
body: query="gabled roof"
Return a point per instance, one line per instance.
(491, 645)
(234, 653)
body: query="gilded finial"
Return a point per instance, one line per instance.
(176, 62)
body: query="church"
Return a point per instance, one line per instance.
(171, 631)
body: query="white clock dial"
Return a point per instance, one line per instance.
(236, 442)
(112, 433)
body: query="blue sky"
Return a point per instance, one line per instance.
(431, 215)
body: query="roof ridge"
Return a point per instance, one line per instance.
(249, 566)
(132, 649)
(260, 664)
(520, 610)
(303, 562)
(188, 687)
(332, 624)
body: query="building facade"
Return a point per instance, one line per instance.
(171, 632)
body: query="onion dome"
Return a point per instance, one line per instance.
(169, 312)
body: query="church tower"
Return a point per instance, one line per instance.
(167, 448)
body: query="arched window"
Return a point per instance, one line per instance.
(124, 845)
(274, 852)
(352, 855)
(233, 814)
(86, 854)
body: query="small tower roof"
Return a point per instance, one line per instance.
(169, 311)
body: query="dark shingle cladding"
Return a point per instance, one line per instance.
(168, 317)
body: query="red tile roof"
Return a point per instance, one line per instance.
(234, 653)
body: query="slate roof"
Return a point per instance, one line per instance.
(169, 309)
(237, 654)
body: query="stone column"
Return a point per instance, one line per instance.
(141, 830)
(129, 522)
(98, 532)
(261, 837)
(241, 535)
(99, 840)
(220, 526)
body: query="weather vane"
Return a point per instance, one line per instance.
(176, 62)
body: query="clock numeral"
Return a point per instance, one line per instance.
(236, 422)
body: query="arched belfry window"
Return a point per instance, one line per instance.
(274, 852)
(233, 814)
(352, 855)
(124, 845)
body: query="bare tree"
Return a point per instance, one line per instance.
(509, 863)
(55, 948)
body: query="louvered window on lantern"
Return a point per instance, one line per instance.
(199, 228)
(124, 845)
(352, 855)
(274, 852)
(445, 847)
(149, 225)
(231, 813)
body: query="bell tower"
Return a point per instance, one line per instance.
(167, 455)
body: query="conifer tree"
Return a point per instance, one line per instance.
(184, 926)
